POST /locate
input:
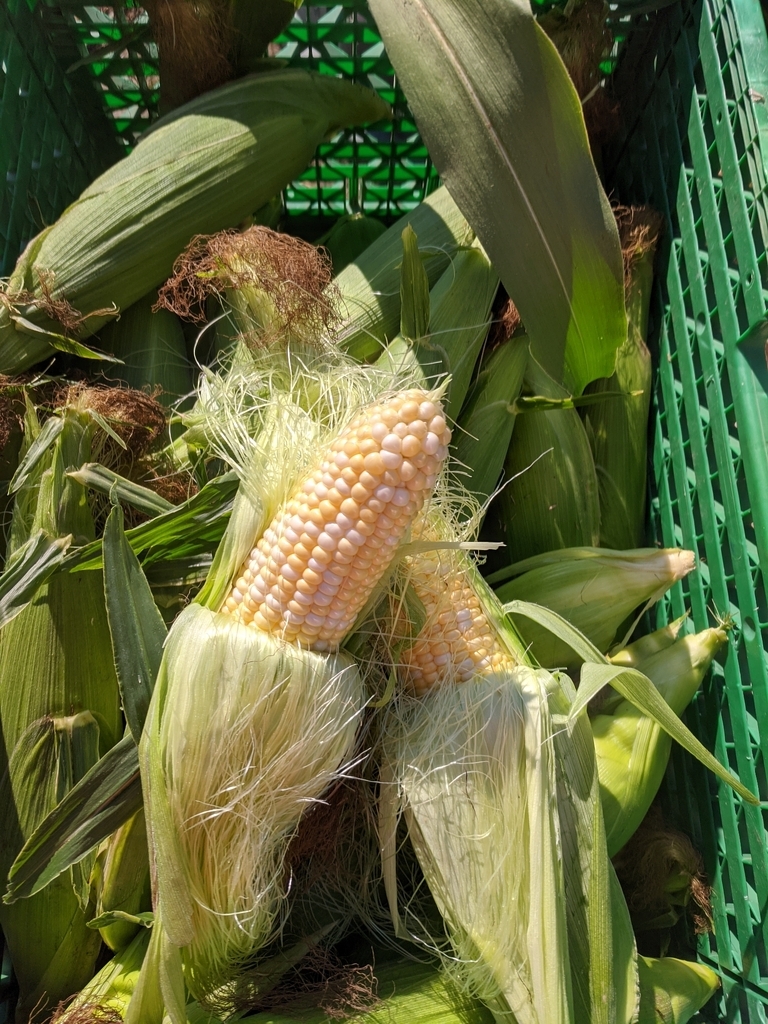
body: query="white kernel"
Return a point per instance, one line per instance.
(332, 579)
(289, 574)
(316, 566)
(325, 542)
(342, 488)
(401, 497)
(341, 460)
(328, 480)
(323, 600)
(427, 410)
(334, 530)
(292, 536)
(344, 522)
(328, 588)
(391, 443)
(384, 493)
(430, 444)
(321, 491)
(315, 620)
(379, 431)
(391, 460)
(303, 599)
(355, 537)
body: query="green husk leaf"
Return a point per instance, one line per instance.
(370, 286)
(106, 481)
(635, 687)
(51, 429)
(488, 416)
(414, 289)
(480, 76)
(27, 570)
(193, 528)
(551, 500)
(135, 624)
(459, 308)
(104, 799)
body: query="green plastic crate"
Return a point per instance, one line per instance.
(693, 82)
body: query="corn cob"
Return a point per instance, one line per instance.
(124, 884)
(672, 991)
(260, 722)
(551, 500)
(59, 705)
(203, 168)
(632, 750)
(152, 349)
(369, 287)
(457, 641)
(594, 588)
(617, 427)
(349, 237)
(311, 572)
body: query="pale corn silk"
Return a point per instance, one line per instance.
(311, 573)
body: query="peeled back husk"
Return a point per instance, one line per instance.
(205, 167)
(633, 750)
(473, 768)
(255, 732)
(594, 588)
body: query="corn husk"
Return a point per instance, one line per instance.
(551, 500)
(459, 310)
(672, 991)
(595, 589)
(473, 767)
(152, 348)
(205, 167)
(633, 750)
(644, 647)
(59, 707)
(369, 287)
(349, 237)
(487, 418)
(111, 988)
(618, 427)
(124, 884)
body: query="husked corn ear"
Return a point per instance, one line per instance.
(458, 641)
(312, 571)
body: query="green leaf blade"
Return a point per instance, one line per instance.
(494, 104)
(135, 623)
(104, 799)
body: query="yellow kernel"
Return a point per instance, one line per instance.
(360, 493)
(374, 464)
(411, 446)
(328, 510)
(350, 508)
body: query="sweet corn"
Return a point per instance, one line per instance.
(458, 641)
(255, 712)
(312, 571)
(205, 167)
(632, 750)
(594, 588)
